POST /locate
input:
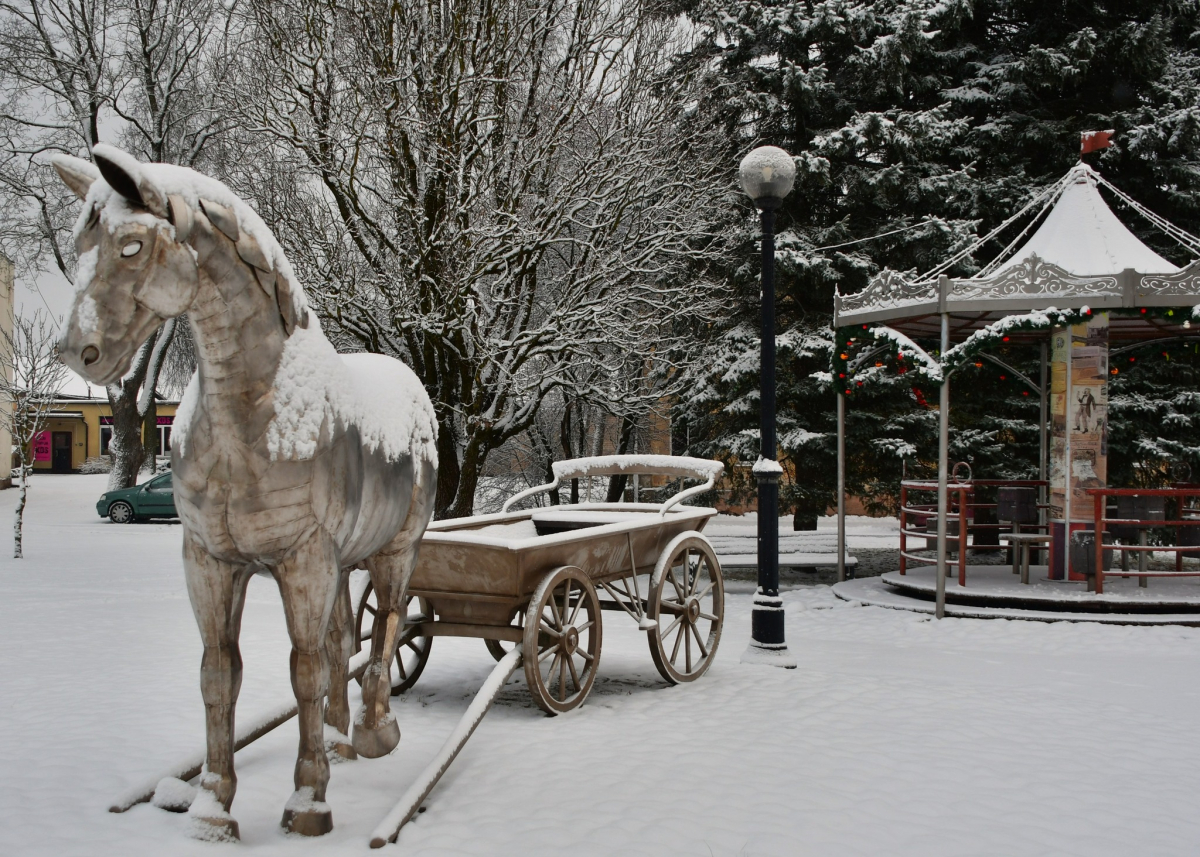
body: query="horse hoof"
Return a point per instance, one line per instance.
(210, 821)
(312, 822)
(373, 743)
(306, 815)
(215, 829)
(338, 747)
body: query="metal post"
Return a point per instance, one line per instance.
(766, 618)
(1044, 430)
(1067, 469)
(943, 472)
(841, 485)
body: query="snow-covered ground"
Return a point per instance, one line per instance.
(897, 735)
(735, 539)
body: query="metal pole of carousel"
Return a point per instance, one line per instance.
(943, 469)
(841, 485)
(767, 175)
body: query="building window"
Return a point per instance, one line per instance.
(105, 439)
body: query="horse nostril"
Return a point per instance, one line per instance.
(90, 355)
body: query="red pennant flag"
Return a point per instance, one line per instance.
(1094, 141)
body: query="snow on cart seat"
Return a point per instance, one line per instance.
(515, 530)
(590, 516)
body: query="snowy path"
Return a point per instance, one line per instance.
(896, 736)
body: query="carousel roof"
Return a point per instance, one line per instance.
(1082, 236)
(1081, 255)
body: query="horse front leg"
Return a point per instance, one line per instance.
(340, 647)
(308, 581)
(217, 591)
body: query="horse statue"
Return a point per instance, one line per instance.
(289, 459)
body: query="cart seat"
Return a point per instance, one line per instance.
(551, 521)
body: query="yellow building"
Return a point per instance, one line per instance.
(80, 428)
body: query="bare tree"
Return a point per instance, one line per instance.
(501, 192)
(30, 379)
(146, 74)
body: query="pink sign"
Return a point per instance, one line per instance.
(41, 446)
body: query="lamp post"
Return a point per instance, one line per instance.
(767, 175)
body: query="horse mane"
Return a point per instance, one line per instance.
(123, 196)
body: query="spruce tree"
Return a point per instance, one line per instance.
(924, 124)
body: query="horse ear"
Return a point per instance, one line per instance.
(126, 176)
(76, 173)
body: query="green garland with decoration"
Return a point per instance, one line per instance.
(852, 339)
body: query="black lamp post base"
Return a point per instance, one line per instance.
(766, 624)
(769, 657)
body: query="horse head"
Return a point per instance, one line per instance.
(134, 272)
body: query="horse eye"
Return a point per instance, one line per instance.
(132, 248)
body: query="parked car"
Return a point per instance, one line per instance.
(154, 498)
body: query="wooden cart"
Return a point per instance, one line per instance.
(544, 577)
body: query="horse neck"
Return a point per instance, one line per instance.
(239, 340)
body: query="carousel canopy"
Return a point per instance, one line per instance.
(1081, 255)
(1082, 236)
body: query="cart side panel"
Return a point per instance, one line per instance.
(604, 556)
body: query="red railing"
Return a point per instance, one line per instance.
(1101, 520)
(961, 499)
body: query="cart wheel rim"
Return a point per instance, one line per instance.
(412, 650)
(687, 605)
(562, 640)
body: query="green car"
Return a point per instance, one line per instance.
(152, 499)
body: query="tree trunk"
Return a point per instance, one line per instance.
(468, 479)
(126, 444)
(150, 436)
(448, 470)
(616, 483)
(19, 515)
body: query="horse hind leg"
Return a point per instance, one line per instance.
(340, 645)
(308, 581)
(217, 591)
(376, 732)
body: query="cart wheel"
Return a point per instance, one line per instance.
(562, 640)
(412, 651)
(687, 603)
(499, 648)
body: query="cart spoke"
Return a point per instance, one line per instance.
(583, 654)
(574, 674)
(667, 632)
(558, 620)
(547, 651)
(400, 667)
(675, 583)
(670, 607)
(707, 590)
(566, 606)
(678, 640)
(578, 604)
(710, 617)
(589, 623)
(562, 676)
(700, 642)
(546, 629)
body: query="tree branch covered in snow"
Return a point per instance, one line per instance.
(500, 193)
(30, 379)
